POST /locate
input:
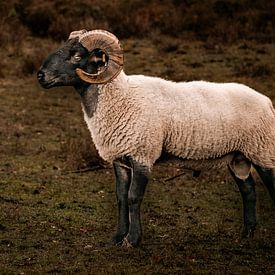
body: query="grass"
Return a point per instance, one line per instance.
(55, 218)
(55, 221)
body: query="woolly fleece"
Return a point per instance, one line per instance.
(200, 122)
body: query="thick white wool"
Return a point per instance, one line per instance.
(199, 121)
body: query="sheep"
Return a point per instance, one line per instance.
(135, 120)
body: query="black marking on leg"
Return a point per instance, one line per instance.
(123, 180)
(135, 196)
(247, 189)
(268, 179)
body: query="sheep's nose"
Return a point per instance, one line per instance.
(40, 75)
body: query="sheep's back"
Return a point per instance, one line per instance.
(209, 120)
(205, 120)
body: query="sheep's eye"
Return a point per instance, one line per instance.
(76, 57)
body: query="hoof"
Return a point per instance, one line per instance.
(248, 233)
(126, 243)
(118, 239)
(131, 241)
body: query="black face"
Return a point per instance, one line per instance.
(59, 68)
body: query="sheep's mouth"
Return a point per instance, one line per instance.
(50, 83)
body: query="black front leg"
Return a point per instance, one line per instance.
(123, 180)
(247, 189)
(135, 196)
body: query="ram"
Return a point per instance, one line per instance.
(135, 120)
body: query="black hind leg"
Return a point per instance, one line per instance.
(247, 189)
(268, 179)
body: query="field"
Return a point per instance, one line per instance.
(57, 199)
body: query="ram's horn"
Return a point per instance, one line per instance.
(76, 34)
(110, 46)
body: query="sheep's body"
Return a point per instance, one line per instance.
(200, 122)
(135, 119)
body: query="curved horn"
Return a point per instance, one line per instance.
(76, 34)
(109, 44)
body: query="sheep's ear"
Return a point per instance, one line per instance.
(105, 46)
(241, 167)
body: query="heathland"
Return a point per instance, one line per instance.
(57, 199)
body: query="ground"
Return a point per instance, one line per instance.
(58, 213)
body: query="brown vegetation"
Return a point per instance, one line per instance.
(223, 21)
(56, 221)
(215, 22)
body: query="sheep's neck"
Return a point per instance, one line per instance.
(89, 93)
(89, 98)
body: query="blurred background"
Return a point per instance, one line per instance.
(213, 22)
